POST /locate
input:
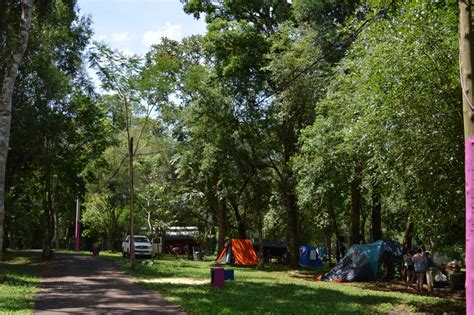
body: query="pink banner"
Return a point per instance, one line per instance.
(469, 172)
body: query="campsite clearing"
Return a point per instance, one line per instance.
(274, 290)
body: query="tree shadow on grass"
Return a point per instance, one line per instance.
(261, 298)
(284, 298)
(17, 304)
(18, 279)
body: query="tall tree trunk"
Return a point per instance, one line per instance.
(261, 254)
(467, 86)
(339, 244)
(9, 78)
(110, 238)
(293, 227)
(356, 199)
(48, 214)
(329, 243)
(131, 193)
(408, 235)
(113, 230)
(241, 225)
(363, 221)
(55, 234)
(148, 221)
(221, 218)
(376, 213)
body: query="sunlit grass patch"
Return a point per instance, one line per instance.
(186, 281)
(20, 274)
(274, 290)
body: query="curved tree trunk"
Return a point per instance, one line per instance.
(376, 213)
(241, 225)
(221, 218)
(408, 236)
(48, 216)
(293, 227)
(337, 234)
(6, 102)
(356, 199)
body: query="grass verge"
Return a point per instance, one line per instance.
(274, 291)
(19, 282)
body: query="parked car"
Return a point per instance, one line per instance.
(142, 246)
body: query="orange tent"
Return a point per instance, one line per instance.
(238, 252)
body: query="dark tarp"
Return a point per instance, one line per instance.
(271, 248)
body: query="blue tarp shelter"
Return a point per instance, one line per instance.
(309, 257)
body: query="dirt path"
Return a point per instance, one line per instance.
(85, 284)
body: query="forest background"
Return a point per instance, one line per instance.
(314, 121)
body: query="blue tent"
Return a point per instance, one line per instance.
(309, 257)
(362, 262)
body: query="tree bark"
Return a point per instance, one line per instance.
(376, 213)
(221, 218)
(131, 192)
(339, 244)
(356, 199)
(261, 254)
(241, 226)
(408, 236)
(467, 86)
(8, 85)
(363, 221)
(329, 243)
(293, 228)
(48, 217)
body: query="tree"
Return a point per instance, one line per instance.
(263, 55)
(105, 215)
(53, 98)
(140, 87)
(398, 126)
(465, 68)
(8, 84)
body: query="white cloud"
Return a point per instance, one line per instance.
(119, 37)
(173, 31)
(114, 38)
(101, 37)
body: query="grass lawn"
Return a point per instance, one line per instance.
(19, 282)
(271, 291)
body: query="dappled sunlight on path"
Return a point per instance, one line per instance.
(85, 284)
(186, 281)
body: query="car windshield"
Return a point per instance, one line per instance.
(140, 239)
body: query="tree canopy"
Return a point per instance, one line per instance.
(315, 121)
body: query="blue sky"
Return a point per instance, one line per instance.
(131, 26)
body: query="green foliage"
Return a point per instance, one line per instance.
(394, 108)
(276, 113)
(57, 128)
(139, 101)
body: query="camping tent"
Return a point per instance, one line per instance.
(362, 262)
(238, 252)
(309, 257)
